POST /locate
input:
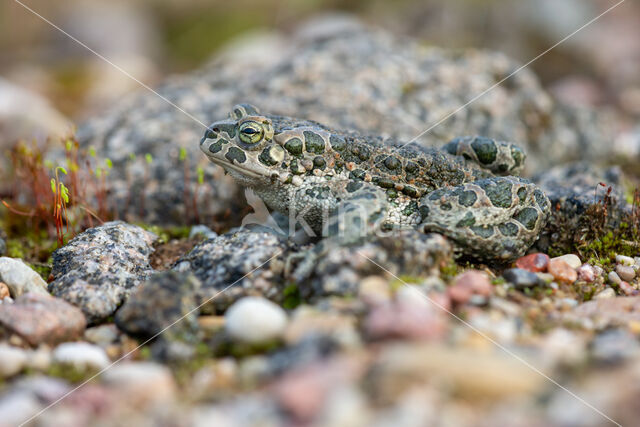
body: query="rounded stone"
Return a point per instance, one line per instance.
(521, 278)
(625, 272)
(81, 355)
(533, 262)
(12, 360)
(572, 260)
(255, 320)
(605, 293)
(20, 278)
(624, 260)
(614, 278)
(469, 283)
(587, 273)
(562, 271)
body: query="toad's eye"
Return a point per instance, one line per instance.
(251, 132)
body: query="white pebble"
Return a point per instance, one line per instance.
(255, 320)
(614, 278)
(624, 260)
(605, 293)
(625, 272)
(12, 360)
(571, 259)
(81, 355)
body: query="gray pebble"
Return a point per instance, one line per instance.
(521, 278)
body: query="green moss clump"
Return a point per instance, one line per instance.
(292, 297)
(70, 372)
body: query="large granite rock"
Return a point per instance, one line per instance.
(341, 73)
(98, 268)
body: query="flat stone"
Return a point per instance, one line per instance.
(42, 319)
(20, 278)
(533, 262)
(625, 272)
(81, 355)
(572, 260)
(141, 383)
(562, 271)
(521, 278)
(98, 268)
(255, 320)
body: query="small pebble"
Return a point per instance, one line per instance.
(614, 278)
(533, 262)
(12, 360)
(586, 273)
(562, 271)
(4, 291)
(81, 355)
(545, 277)
(572, 260)
(469, 283)
(255, 320)
(521, 278)
(605, 293)
(625, 272)
(627, 289)
(625, 260)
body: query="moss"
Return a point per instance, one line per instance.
(291, 295)
(165, 234)
(450, 270)
(70, 372)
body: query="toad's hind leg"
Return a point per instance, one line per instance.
(491, 219)
(499, 157)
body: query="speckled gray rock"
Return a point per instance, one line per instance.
(166, 300)
(345, 75)
(408, 252)
(3, 245)
(236, 264)
(99, 267)
(20, 278)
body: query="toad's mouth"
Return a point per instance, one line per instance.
(229, 167)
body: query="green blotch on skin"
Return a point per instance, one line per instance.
(392, 163)
(216, 146)
(467, 221)
(228, 128)
(508, 229)
(498, 191)
(236, 154)
(467, 198)
(518, 155)
(522, 194)
(319, 162)
(353, 186)
(294, 146)
(337, 143)
(527, 217)
(485, 149)
(313, 142)
(484, 232)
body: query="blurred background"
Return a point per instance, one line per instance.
(47, 74)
